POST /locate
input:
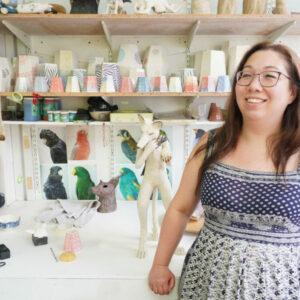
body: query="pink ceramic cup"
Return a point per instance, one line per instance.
(56, 85)
(126, 85)
(191, 84)
(72, 241)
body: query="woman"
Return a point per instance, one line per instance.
(247, 175)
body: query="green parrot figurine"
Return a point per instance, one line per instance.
(83, 184)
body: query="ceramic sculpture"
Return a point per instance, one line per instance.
(128, 58)
(201, 7)
(227, 6)
(116, 6)
(255, 6)
(158, 6)
(155, 61)
(84, 7)
(282, 7)
(107, 195)
(153, 150)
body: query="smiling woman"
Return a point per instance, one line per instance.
(246, 175)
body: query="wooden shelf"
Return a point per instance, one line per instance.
(151, 94)
(94, 123)
(72, 24)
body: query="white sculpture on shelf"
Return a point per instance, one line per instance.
(282, 7)
(227, 6)
(116, 6)
(255, 6)
(154, 151)
(201, 7)
(158, 6)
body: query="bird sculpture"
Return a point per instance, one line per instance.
(81, 149)
(54, 187)
(58, 149)
(128, 145)
(129, 185)
(83, 184)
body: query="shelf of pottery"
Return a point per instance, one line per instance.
(134, 64)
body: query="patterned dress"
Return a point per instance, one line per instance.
(249, 247)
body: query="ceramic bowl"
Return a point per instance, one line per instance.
(100, 115)
(9, 221)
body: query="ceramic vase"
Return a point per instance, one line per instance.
(107, 85)
(40, 84)
(282, 7)
(72, 85)
(23, 85)
(90, 84)
(159, 84)
(175, 84)
(126, 85)
(56, 85)
(191, 84)
(108, 69)
(215, 113)
(6, 74)
(228, 7)
(255, 6)
(201, 7)
(128, 58)
(80, 74)
(143, 85)
(48, 71)
(208, 84)
(155, 61)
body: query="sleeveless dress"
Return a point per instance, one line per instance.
(249, 246)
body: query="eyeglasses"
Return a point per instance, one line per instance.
(266, 78)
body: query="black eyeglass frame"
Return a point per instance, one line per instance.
(258, 74)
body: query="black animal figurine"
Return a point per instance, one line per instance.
(58, 149)
(84, 6)
(53, 187)
(106, 193)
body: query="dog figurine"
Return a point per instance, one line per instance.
(107, 196)
(158, 6)
(116, 7)
(153, 149)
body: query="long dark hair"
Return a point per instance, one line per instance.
(281, 145)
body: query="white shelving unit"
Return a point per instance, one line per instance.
(107, 277)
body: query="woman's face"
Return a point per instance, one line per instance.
(257, 102)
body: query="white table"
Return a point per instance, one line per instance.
(106, 268)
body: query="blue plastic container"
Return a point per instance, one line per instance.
(31, 111)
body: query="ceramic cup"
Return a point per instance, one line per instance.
(72, 84)
(159, 84)
(56, 85)
(107, 85)
(186, 72)
(22, 84)
(134, 73)
(40, 84)
(108, 69)
(126, 85)
(191, 84)
(143, 85)
(72, 241)
(175, 85)
(223, 84)
(208, 84)
(90, 84)
(80, 74)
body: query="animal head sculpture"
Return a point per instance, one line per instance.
(106, 193)
(149, 131)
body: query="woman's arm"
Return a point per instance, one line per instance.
(161, 280)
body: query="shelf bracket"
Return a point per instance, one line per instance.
(192, 35)
(21, 35)
(279, 32)
(107, 34)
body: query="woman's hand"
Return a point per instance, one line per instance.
(161, 280)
